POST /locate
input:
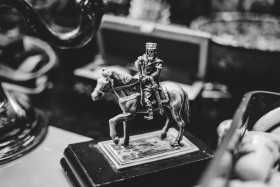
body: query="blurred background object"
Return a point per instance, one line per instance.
(251, 137)
(51, 9)
(214, 104)
(184, 11)
(254, 6)
(150, 10)
(118, 7)
(29, 68)
(244, 51)
(26, 62)
(21, 126)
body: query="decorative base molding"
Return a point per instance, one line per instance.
(146, 148)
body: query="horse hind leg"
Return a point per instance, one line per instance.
(181, 124)
(168, 122)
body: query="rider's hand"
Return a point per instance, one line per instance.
(146, 79)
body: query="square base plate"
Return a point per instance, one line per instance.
(146, 148)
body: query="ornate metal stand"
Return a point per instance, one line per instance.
(21, 126)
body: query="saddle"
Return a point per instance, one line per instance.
(163, 98)
(157, 102)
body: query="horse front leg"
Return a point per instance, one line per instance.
(118, 119)
(125, 141)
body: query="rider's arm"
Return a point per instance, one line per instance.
(138, 64)
(158, 67)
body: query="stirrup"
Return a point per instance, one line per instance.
(149, 117)
(161, 111)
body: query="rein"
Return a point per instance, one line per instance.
(124, 87)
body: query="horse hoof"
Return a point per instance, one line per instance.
(116, 140)
(163, 136)
(175, 144)
(124, 144)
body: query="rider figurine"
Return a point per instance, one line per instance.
(149, 67)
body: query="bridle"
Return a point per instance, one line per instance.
(117, 88)
(123, 87)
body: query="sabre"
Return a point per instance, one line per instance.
(155, 88)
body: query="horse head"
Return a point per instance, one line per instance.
(104, 83)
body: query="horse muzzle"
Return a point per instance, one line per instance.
(96, 95)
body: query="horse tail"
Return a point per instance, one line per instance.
(185, 111)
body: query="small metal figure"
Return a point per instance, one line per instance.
(173, 98)
(149, 67)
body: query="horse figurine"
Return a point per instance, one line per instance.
(127, 88)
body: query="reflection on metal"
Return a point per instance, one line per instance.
(91, 12)
(35, 60)
(21, 126)
(146, 148)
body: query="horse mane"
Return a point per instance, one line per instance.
(120, 77)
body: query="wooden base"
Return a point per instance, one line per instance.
(85, 164)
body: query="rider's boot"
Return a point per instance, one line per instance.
(149, 109)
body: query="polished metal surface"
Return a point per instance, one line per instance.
(21, 126)
(91, 12)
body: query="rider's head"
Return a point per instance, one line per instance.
(151, 50)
